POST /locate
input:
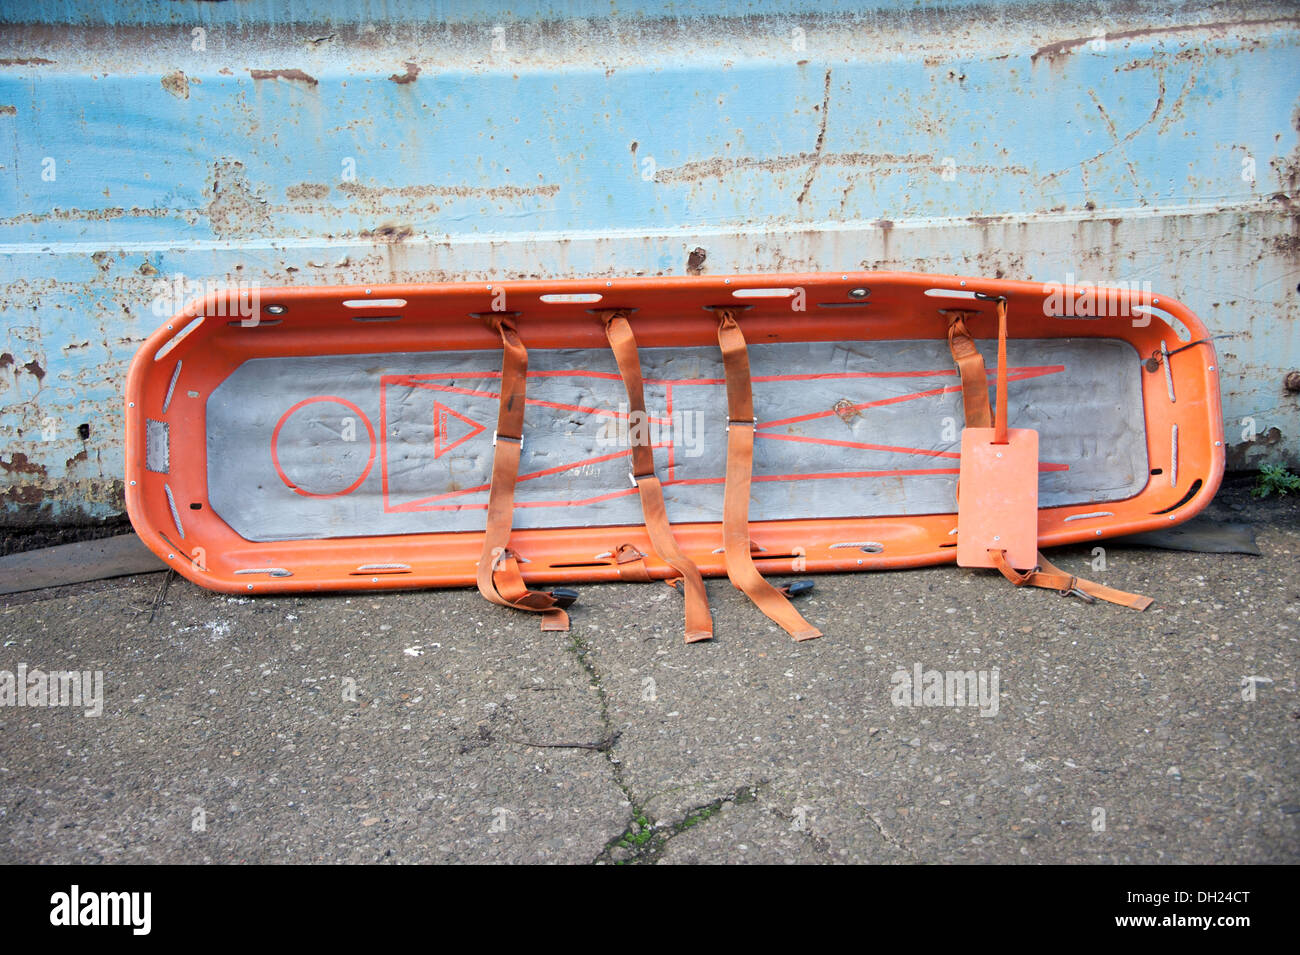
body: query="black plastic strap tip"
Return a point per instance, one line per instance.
(799, 588)
(563, 597)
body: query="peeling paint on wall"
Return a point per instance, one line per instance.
(1117, 142)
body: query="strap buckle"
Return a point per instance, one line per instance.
(1072, 590)
(752, 424)
(504, 554)
(506, 437)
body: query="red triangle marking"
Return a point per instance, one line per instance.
(441, 432)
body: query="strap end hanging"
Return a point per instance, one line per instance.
(740, 461)
(499, 577)
(1049, 577)
(699, 621)
(555, 620)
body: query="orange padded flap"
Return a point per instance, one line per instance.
(997, 502)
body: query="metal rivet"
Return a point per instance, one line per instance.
(609, 284)
(275, 309)
(374, 580)
(859, 293)
(1155, 301)
(999, 454)
(726, 281)
(130, 404)
(250, 586)
(996, 537)
(844, 278)
(367, 291)
(133, 484)
(1211, 368)
(171, 556)
(1218, 444)
(1098, 533)
(963, 284)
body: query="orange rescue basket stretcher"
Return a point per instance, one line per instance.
(525, 436)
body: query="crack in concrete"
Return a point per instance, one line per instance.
(889, 839)
(582, 651)
(819, 843)
(643, 839)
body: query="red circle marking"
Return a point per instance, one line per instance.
(275, 439)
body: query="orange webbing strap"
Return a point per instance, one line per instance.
(630, 564)
(1000, 412)
(975, 395)
(974, 380)
(1050, 577)
(699, 623)
(499, 579)
(740, 461)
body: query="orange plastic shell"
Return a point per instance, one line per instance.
(668, 312)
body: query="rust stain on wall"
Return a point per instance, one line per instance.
(358, 190)
(412, 71)
(914, 163)
(92, 215)
(389, 232)
(308, 190)
(32, 504)
(1286, 244)
(1238, 457)
(294, 76)
(820, 145)
(20, 464)
(234, 208)
(1065, 47)
(177, 84)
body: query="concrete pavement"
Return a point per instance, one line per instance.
(435, 727)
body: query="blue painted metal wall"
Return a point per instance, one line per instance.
(144, 146)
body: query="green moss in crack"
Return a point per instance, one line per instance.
(640, 832)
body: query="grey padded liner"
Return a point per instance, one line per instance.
(1088, 413)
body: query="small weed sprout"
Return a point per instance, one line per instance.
(1275, 479)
